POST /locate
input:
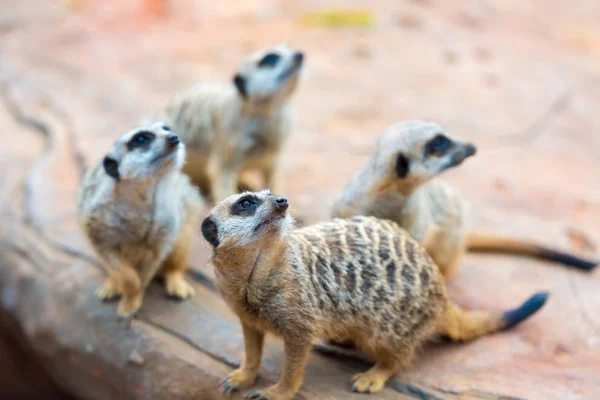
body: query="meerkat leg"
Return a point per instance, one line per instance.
(195, 168)
(223, 180)
(124, 280)
(176, 265)
(296, 355)
(246, 374)
(109, 290)
(132, 291)
(373, 380)
(448, 255)
(451, 263)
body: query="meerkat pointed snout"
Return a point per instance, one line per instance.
(139, 212)
(362, 279)
(398, 183)
(420, 151)
(235, 128)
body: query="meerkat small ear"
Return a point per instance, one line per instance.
(402, 166)
(240, 83)
(111, 166)
(210, 231)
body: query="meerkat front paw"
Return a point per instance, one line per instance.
(271, 393)
(369, 382)
(238, 379)
(108, 291)
(128, 306)
(177, 287)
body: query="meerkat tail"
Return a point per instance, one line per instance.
(486, 242)
(461, 325)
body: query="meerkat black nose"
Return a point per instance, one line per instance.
(471, 149)
(173, 140)
(281, 203)
(298, 57)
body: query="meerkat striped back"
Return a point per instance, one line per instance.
(370, 268)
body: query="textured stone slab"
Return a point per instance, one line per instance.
(75, 75)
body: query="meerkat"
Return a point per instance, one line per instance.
(362, 278)
(139, 212)
(239, 127)
(398, 183)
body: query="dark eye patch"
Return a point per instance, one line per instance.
(140, 140)
(111, 166)
(269, 60)
(210, 231)
(240, 84)
(246, 206)
(438, 145)
(402, 166)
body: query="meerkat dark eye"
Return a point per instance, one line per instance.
(140, 139)
(438, 144)
(245, 206)
(270, 60)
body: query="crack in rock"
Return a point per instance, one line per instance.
(43, 128)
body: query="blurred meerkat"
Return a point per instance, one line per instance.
(139, 213)
(398, 183)
(236, 128)
(362, 278)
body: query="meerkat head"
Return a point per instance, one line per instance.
(271, 74)
(145, 152)
(247, 219)
(415, 151)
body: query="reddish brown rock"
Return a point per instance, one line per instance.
(72, 79)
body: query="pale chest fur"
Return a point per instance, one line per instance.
(133, 217)
(260, 136)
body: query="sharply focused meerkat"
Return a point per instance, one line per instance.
(139, 212)
(397, 183)
(235, 128)
(362, 278)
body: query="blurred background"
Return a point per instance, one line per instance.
(519, 79)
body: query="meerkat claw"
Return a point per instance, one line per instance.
(366, 384)
(227, 388)
(238, 379)
(369, 382)
(125, 321)
(107, 291)
(178, 288)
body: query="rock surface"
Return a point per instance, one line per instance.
(521, 80)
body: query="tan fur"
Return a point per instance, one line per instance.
(229, 131)
(431, 210)
(140, 223)
(363, 279)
